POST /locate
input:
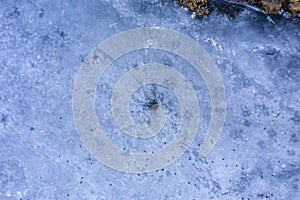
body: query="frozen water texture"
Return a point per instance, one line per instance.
(42, 45)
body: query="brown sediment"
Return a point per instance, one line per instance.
(271, 6)
(200, 7)
(294, 7)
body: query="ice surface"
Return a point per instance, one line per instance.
(42, 45)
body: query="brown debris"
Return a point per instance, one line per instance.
(272, 6)
(200, 7)
(294, 7)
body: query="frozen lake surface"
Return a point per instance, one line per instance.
(43, 44)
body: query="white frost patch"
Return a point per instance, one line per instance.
(214, 43)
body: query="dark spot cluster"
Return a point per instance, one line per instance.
(41, 13)
(296, 118)
(3, 118)
(262, 109)
(294, 138)
(261, 195)
(14, 13)
(57, 38)
(246, 112)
